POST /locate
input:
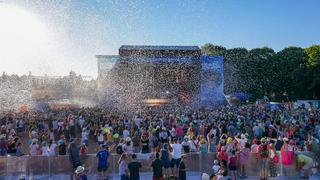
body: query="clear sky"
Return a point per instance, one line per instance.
(79, 29)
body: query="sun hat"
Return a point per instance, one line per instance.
(128, 139)
(80, 169)
(285, 139)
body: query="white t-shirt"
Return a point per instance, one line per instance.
(126, 133)
(176, 151)
(52, 151)
(215, 169)
(45, 151)
(84, 135)
(100, 138)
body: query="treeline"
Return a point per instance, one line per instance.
(290, 74)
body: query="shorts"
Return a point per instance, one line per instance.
(263, 163)
(167, 164)
(307, 166)
(102, 168)
(175, 162)
(232, 168)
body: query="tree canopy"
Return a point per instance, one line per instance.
(290, 74)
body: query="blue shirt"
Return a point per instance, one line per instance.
(103, 156)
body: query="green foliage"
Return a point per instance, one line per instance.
(313, 64)
(290, 74)
(213, 50)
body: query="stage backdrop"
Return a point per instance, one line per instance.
(212, 81)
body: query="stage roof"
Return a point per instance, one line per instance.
(143, 47)
(166, 59)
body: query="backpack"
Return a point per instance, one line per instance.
(119, 149)
(264, 153)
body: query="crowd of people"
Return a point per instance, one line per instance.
(231, 134)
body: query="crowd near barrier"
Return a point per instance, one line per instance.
(11, 166)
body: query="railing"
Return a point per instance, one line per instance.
(41, 165)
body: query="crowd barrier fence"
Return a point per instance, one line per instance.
(11, 166)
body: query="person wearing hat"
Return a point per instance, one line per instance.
(80, 174)
(128, 146)
(102, 155)
(263, 156)
(216, 166)
(34, 148)
(287, 156)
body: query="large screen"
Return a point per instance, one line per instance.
(212, 81)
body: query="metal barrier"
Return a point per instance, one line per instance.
(40, 165)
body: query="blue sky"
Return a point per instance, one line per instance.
(245, 23)
(84, 28)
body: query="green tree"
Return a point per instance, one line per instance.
(213, 50)
(313, 64)
(256, 71)
(234, 59)
(292, 77)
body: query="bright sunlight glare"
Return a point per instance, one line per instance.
(22, 34)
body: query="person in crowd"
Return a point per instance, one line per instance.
(34, 148)
(52, 148)
(176, 156)
(287, 156)
(264, 156)
(157, 166)
(216, 166)
(123, 167)
(145, 148)
(203, 145)
(134, 167)
(19, 150)
(186, 145)
(182, 175)
(305, 163)
(273, 159)
(166, 160)
(62, 148)
(193, 143)
(223, 172)
(45, 149)
(244, 157)
(103, 164)
(74, 154)
(80, 173)
(128, 146)
(3, 145)
(233, 165)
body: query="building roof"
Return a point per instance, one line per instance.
(143, 47)
(166, 59)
